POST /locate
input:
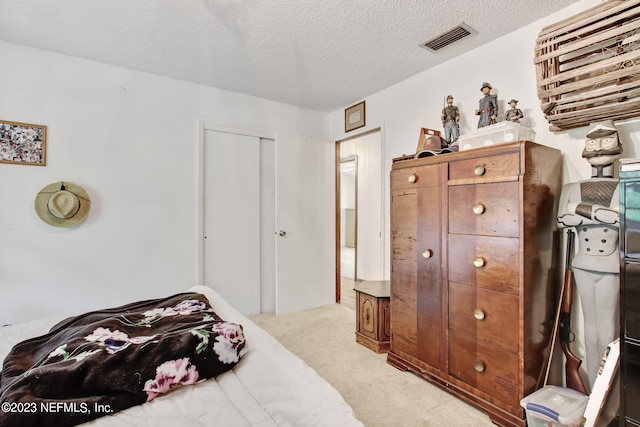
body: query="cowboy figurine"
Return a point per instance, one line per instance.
(514, 114)
(450, 118)
(592, 207)
(488, 107)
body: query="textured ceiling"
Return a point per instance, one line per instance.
(319, 54)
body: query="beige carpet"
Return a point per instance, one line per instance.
(380, 394)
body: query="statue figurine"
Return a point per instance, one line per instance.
(592, 207)
(488, 107)
(450, 117)
(514, 114)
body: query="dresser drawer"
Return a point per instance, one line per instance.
(632, 219)
(489, 316)
(486, 262)
(420, 176)
(498, 168)
(631, 372)
(486, 209)
(485, 367)
(631, 300)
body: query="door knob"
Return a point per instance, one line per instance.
(282, 233)
(478, 209)
(479, 262)
(478, 366)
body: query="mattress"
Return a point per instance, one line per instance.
(270, 386)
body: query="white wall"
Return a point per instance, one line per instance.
(507, 64)
(130, 139)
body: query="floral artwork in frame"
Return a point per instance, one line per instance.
(22, 143)
(354, 117)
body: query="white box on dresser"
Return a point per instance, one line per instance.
(499, 133)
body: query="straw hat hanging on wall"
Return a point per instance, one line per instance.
(63, 204)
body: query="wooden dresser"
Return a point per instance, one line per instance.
(473, 275)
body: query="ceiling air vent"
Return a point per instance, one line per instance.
(460, 32)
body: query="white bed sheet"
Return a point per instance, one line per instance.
(269, 387)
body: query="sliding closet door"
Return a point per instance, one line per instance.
(305, 194)
(291, 183)
(232, 218)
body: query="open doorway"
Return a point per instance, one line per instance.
(348, 227)
(359, 213)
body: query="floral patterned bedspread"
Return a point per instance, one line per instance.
(105, 361)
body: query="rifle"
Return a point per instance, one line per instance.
(572, 365)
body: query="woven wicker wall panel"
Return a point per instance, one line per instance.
(588, 66)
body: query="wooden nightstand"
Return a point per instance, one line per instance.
(372, 315)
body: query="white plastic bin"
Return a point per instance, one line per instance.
(554, 406)
(500, 133)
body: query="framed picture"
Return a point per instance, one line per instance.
(354, 117)
(23, 143)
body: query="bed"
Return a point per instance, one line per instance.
(265, 385)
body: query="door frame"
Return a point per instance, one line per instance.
(204, 126)
(383, 218)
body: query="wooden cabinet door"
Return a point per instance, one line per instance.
(416, 290)
(404, 312)
(429, 283)
(368, 315)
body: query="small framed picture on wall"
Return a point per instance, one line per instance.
(354, 117)
(23, 143)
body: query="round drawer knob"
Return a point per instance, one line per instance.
(479, 262)
(427, 253)
(479, 170)
(478, 366)
(478, 209)
(478, 314)
(412, 178)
